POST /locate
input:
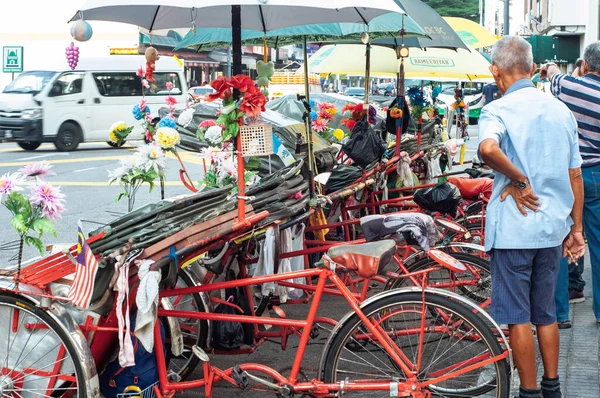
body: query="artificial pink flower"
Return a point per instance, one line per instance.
(319, 125)
(148, 118)
(49, 198)
(297, 195)
(171, 101)
(172, 115)
(325, 115)
(149, 136)
(207, 124)
(169, 86)
(143, 105)
(145, 83)
(40, 170)
(140, 72)
(9, 183)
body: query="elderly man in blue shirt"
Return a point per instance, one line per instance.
(535, 212)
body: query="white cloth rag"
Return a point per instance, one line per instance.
(126, 352)
(266, 261)
(404, 172)
(147, 304)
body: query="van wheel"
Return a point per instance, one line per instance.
(68, 137)
(29, 145)
(114, 144)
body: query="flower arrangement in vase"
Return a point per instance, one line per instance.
(220, 134)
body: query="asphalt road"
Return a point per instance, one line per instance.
(83, 178)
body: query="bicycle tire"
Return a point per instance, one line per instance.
(383, 305)
(428, 262)
(28, 311)
(190, 361)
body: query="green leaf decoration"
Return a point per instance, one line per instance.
(18, 223)
(35, 242)
(43, 225)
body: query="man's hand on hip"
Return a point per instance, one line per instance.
(524, 198)
(574, 246)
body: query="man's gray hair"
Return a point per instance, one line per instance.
(592, 57)
(513, 54)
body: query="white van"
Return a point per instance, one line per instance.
(67, 107)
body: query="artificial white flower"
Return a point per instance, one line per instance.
(151, 156)
(214, 135)
(185, 118)
(167, 137)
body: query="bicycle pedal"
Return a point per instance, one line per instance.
(279, 312)
(200, 353)
(240, 377)
(314, 332)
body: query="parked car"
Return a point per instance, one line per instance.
(473, 97)
(355, 92)
(200, 93)
(67, 107)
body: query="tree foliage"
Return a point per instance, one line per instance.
(456, 8)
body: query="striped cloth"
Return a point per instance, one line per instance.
(582, 96)
(81, 290)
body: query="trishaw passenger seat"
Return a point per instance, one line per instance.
(367, 259)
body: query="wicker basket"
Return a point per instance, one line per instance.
(257, 140)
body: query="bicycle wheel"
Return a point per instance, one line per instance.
(194, 331)
(37, 357)
(475, 282)
(453, 339)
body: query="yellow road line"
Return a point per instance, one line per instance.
(59, 161)
(104, 183)
(50, 146)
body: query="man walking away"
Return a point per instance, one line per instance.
(534, 214)
(582, 96)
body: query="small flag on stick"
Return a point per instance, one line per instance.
(85, 273)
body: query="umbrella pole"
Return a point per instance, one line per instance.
(400, 104)
(309, 147)
(367, 74)
(236, 44)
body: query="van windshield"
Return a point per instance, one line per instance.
(29, 82)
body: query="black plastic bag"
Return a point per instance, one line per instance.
(443, 197)
(231, 335)
(364, 145)
(341, 177)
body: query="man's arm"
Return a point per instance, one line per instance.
(493, 156)
(574, 244)
(549, 70)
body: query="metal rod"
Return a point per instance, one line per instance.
(367, 74)
(309, 149)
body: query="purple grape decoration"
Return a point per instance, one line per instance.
(72, 54)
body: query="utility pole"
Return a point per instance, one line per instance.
(506, 17)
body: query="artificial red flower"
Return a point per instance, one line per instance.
(348, 107)
(242, 83)
(349, 123)
(221, 87)
(359, 108)
(253, 103)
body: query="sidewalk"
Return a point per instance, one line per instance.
(578, 362)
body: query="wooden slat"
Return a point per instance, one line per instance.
(191, 234)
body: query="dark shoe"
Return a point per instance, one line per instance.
(576, 296)
(564, 325)
(551, 388)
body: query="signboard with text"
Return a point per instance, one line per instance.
(12, 59)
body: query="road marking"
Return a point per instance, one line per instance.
(87, 169)
(45, 156)
(105, 183)
(102, 145)
(72, 160)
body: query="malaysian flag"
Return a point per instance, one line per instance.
(85, 273)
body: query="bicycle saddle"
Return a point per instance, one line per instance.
(367, 259)
(480, 173)
(471, 188)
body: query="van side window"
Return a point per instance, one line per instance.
(123, 84)
(67, 84)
